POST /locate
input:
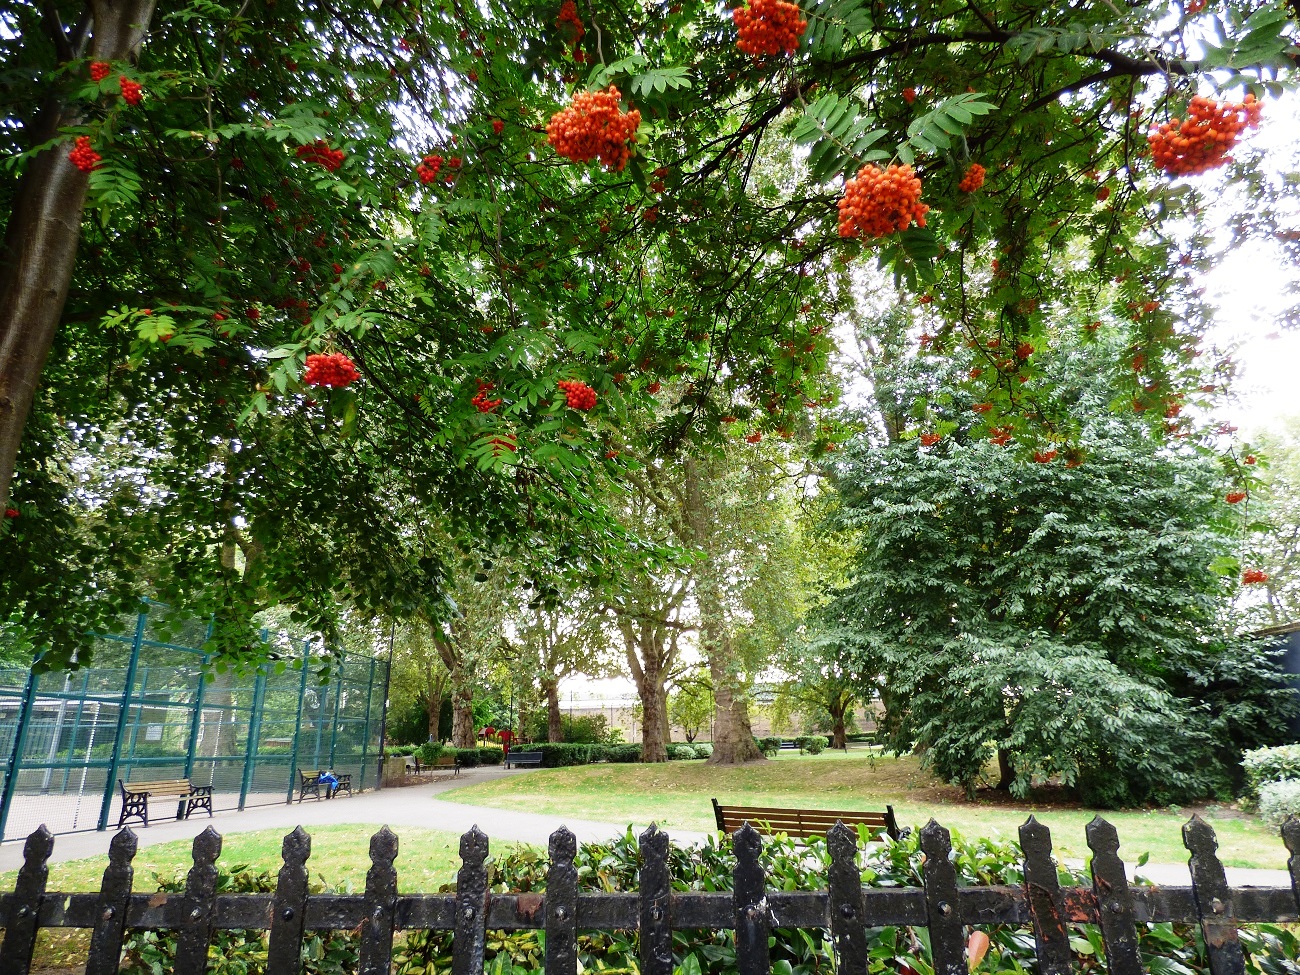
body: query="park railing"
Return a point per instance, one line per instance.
(846, 908)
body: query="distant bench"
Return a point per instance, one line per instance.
(802, 823)
(524, 758)
(135, 798)
(442, 761)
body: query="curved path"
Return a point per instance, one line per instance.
(418, 806)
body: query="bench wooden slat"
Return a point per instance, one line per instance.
(160, 788)
(801, 823)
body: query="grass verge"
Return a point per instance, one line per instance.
(676, 796)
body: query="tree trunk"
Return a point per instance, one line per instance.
(1006, 770)
(733, 738)
(462, 715)
(839, 735)
(654, 723)
(434, 702)
(554, 719)
(41, 237)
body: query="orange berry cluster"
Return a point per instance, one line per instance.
(930, 439)
(335, 370)
(99, 70)
(482, 402)
(131, 91)
(83, 156)
(1235, 497)
(1044, 456)
(592, 127)
(1202, 141)
(428, 168)
(754, 437)
(768, 27)
(973, 179)
(879, 202)
(1253, 576)
(569, 16)
(320, 152)
(577, 394)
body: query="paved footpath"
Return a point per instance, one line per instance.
(418, 806)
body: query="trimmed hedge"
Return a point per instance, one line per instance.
(1265, 765)
(562, 754)
(812, 744)
(623, 753)
(1279, 801)
(768, 746)
(490, 755)
(430, 750)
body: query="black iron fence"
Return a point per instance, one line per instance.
(846, 909)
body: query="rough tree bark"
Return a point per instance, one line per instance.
(554, 717)
(1006, 770)
(733, 736)
(462, 694)
(650, 654)
(41, 237)
(840, 704)
(435, 688)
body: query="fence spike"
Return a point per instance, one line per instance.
(25, 904)
(561, 904)
(1043, 894)
(289, 907)
(110, 911)
(1213, 899)
(943, 910)
(1114, 899)
(848, 931)
(381, 905)
(656, 923)
(1291, 837)
(753, 916)
(471, 905)
(195, 934)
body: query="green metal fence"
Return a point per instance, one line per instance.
(150, 708)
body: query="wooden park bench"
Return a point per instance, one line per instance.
(802, 823)
(533, 759)
(442, 761)
(309, 784)
(135, 798)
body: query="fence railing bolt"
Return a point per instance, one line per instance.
(945, 908)
(108, 914)
(1216, 906)
(288, 914)
(561, 913)
(846, 911)
(468, 913)
(1114, 907)
(196, 914)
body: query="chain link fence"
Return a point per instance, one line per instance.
(150, 708)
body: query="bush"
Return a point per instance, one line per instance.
(469, 757)
(399, 751)
(1278, 801)
(768, 746)
(430, 750)
(561, 754)
(812, 744)
(490, 755)
(704, 749)
(677, 751)
(623, 753)
(1264, 765)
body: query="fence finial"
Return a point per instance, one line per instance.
(289, 908)
(561, 905)
(1114, 899)
(656, 917)
(1214, 900)
(20, 925)
(1046, 905)
(848, 932)
(947, 945)
(381, 905)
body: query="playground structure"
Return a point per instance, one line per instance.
(149, 707)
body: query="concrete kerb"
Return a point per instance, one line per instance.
(419, 807)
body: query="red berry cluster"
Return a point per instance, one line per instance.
(768, 27)
(1000, 436)
(428, 169)
(754, 437)
(1203, 140)
(878, 202)
(83, 156)
(930, 439)
(1235, 497)
(11, 512)
(909, 95)
(335, 370)
(577, 394)
(593, 127)
(99, 70)
(320, 152)
(482, 402)
(1253, 577)
(973, 179)
(498, 126)
(131, 91)
(1044, 456)
(570, 23)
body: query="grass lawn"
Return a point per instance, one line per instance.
(340, 855)
(677, 794)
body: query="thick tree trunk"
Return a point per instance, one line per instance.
(41, 237)
(839, 734)
(1006, 770)
(462, 715)
(654, 724)
(554, 718)
(733, 737)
